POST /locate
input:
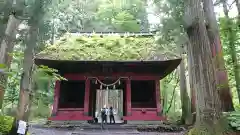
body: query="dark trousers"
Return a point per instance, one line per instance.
(112, 119)
(104, 119)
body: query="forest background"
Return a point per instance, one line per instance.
(27, 26)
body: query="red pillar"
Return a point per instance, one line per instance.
(56, 98)
(86, 97)
(128, 98)
(158, 101)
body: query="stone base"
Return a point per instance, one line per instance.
(67, 123)
(131, 122)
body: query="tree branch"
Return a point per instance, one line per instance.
(230, 6)
(217, 2)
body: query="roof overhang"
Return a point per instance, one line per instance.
(160, 68)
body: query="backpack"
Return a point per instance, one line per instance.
(103, 112)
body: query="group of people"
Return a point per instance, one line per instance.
(107, 112)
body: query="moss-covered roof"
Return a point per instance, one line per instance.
(114, 47)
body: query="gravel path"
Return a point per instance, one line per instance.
(44, 131)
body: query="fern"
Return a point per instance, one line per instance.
(234, 120)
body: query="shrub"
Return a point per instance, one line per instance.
(5, 124)
(234, 120)
(41, 111)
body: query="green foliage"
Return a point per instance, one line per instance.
(174, 117)
(45, 78)
(2, 66)
(5, 124)
(171, 30)
(44, 73)
(170, 97)
(126, 22)
(95, 15)
(107, 48)
(121, 15)
(14, 75)
(42, 78)
(41, 110)
(224, 33)
(234, 120)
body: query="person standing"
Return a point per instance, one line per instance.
(107, 113)
(111, 115)
(103, 116)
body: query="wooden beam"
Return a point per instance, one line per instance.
(86, 97)
(157, 94)
(128, 98)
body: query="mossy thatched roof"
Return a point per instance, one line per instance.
(107, 48)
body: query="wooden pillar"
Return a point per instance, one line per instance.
(56, 98)
(86, 97)
(128, 98)
(158, 101)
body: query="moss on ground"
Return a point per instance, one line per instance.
(73, 47)
(221, 127)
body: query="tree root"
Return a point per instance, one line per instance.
(220, 127)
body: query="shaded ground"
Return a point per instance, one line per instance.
(50, 131)
(38, 128)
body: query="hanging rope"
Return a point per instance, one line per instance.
(108, 85)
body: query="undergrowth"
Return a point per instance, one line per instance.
(6, 124)
(234, 119)
(228, 125)
(220, 127)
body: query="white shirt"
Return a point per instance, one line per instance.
(107, 111)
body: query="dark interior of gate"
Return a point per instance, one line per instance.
(143, 94)
(72, 94)
(139, 81)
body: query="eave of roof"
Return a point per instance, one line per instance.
(161, 68)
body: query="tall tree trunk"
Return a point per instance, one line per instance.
(216, 47)
(203, 74)
(231, 43)
(26, 78)
(6, 10)
(7, 45)
(185, 100)
(164, 96)
(238, 9)
(193, 93)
